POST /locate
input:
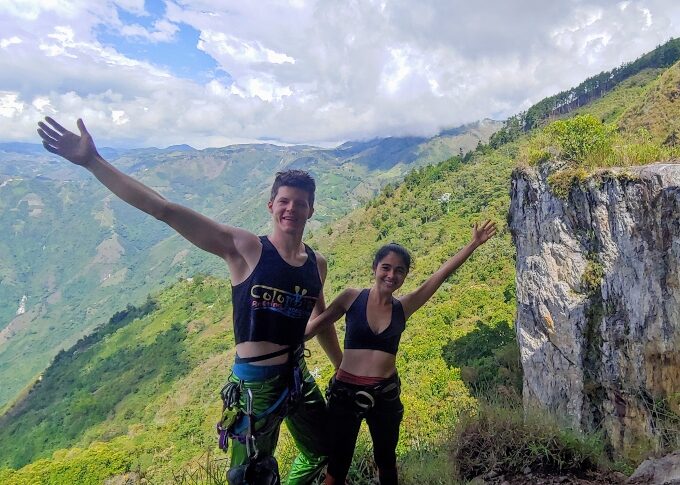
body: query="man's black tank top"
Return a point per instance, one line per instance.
(274, 303)
(358, 334)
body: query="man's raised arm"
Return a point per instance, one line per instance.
(232, 244)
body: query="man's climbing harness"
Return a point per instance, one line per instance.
(259, 470)
(240, 424)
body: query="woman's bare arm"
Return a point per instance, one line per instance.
(332, 314)
(416, 299)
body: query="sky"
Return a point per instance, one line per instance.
(213, 73)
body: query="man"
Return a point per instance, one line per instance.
(277, 284)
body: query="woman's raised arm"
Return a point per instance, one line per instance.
(414, 300)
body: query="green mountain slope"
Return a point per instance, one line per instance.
(104, 389)
(658, 112)
(144, 383)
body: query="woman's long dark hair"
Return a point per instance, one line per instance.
(392, 247)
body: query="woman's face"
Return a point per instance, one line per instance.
(390, 272)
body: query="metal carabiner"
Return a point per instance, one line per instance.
(365, 406)
(251, 447)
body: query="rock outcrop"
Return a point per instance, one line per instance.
(661, 471)
(598, 293)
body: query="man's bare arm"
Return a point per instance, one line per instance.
(220, 239)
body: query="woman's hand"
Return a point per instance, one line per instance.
(80, 150)
(480, 235)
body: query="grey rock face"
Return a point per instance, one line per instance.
(598, 293)
(662, 471)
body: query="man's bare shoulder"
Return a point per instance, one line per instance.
(246, 243)
(322, 265)
(246, 254)
(320, 259)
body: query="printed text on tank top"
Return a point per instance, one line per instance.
(274, 303)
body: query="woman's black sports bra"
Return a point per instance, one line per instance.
(358, 333)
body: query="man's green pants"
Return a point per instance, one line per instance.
(306, 421)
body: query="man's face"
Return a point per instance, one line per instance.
(290, 209)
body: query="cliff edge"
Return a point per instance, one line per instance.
(598, 300)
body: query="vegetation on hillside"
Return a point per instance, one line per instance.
(589, 90)
(164, 414)
(141, 394)
(634, 125)
(503, 439)
(77, 253)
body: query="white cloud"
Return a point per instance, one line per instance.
(42, 104)
(648, 16)
(5, 43)
(232, 49)
(133, 6)
(32, 9)
(265, 89)
(309, 71)
(164, 31)
(10, 105)
(395, 71)
(119, 117)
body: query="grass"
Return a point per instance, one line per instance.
(501, 438)
(582, 146)
(208, 469)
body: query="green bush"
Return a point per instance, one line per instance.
(581, 137)
(562, 181)
(591, 280)
(488, 358)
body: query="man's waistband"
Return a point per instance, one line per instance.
(251, 372)
(245, 370)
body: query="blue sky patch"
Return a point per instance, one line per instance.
(180, 56)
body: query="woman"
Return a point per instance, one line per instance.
(366, 385)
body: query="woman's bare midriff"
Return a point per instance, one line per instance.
(368, 363)
(254, 349)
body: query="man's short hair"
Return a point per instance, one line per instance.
(294, 178)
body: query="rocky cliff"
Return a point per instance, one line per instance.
(598, 294)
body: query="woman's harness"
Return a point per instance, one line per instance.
(363, 398)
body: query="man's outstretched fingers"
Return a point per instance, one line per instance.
(49, 148)
(55, 124)
(49, 131)
(46, 137)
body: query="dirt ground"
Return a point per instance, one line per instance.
(538, 478)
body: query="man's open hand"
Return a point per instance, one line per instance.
(57, 139)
